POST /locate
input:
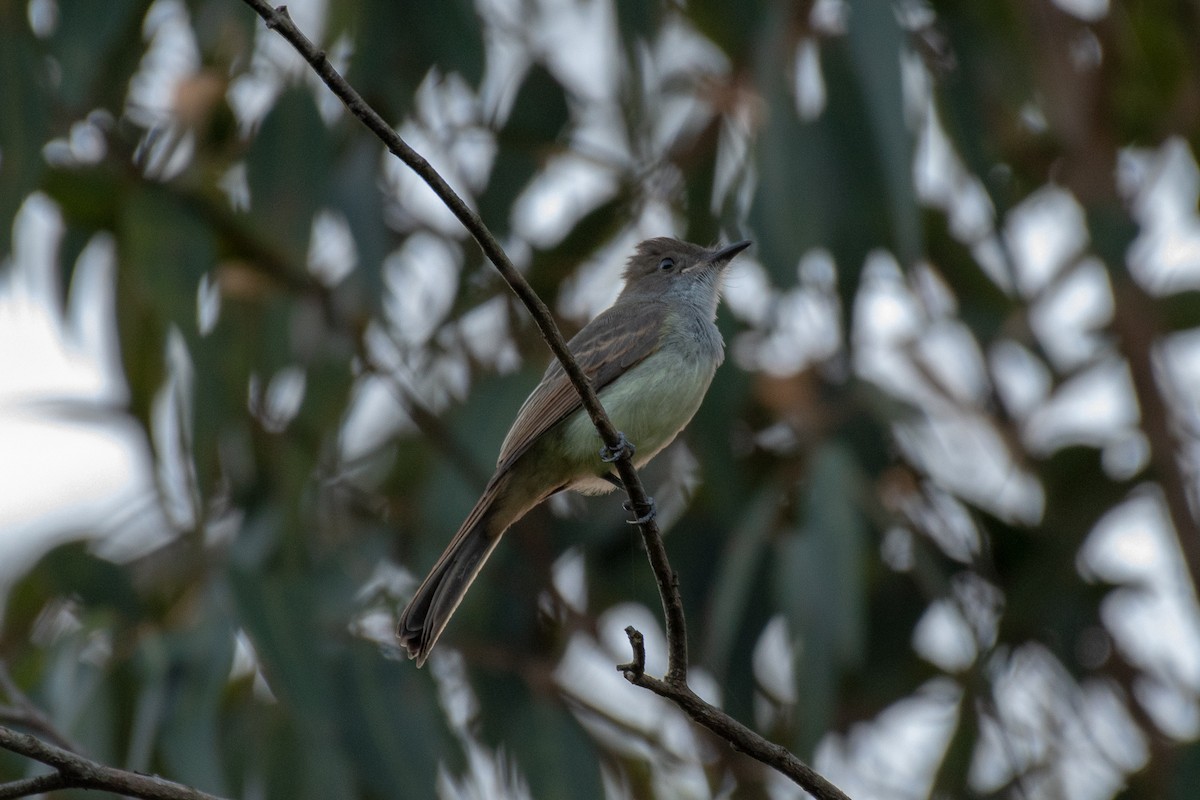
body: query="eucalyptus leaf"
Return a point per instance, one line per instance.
(284, 199)
(25, 123)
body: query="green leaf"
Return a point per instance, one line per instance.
(349, 711)
(226, 35)
(539, 113)
(820, 583)
(97, 47)
(745, 551)
(70, 570)
(530, 134)
(197, 663)
(356, 168)
(841, 181)
(1159, 63)
(797, 584)
(982, 305)
(551, 750)
(699, 161)
(1044, 562)
(738, 28)
(90, 197)
(287, 169)
(1180, 311)
(164, 248)
(1185, 774)
(281, 613)
(163, 251)
(951, 779)
(410, 722)
(82, 698)
(980, 100)
(876, 44)
(835, 519)
(397, 44)
(25, 123)
(638, 20)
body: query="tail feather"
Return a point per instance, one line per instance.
(424, 618)
(426, 615)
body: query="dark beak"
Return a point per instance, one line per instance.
(727, 252)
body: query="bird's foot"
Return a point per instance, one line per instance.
(624, 447)
(651, 512)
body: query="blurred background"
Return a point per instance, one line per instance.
(935, 524)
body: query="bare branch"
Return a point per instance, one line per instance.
(27, 787)
(75, 771)
(738, 735)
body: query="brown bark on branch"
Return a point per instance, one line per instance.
(75, 771)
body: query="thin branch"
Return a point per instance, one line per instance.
(674, 685)
(726, 727)
(75, 771)
(27, 787)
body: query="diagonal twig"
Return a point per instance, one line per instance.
(738, 735)
(75, 771)
(27, 787)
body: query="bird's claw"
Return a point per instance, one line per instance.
(610, 454)
(651, 511)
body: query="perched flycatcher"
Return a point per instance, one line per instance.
(651, 356)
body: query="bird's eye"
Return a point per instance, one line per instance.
(666, 264)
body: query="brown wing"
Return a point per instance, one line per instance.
(605, 348)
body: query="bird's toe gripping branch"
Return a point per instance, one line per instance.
(624, 447)
(610, 454)
(651, 512)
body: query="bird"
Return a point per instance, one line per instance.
(650, 356)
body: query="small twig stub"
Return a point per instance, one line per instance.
(637, 667)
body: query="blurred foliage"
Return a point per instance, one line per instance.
(251, 655)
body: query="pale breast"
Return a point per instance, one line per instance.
(650, 404)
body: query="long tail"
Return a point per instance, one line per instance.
(424, 618)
